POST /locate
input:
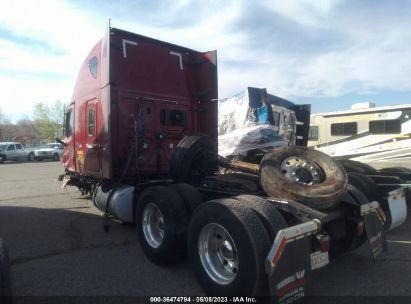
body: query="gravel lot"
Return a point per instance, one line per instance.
(58, 247)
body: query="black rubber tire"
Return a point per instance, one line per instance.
(250, 238)
(370, 189)
(365, 184)
(322, 196)
(356, 166)
(361, 198)
(383, 179)
(191, 196)
(194, 159)
(173, 247)
(3, 159)
(56, 157)
(5, 275)
(396, 170)
(351, 241)
(268, 214)
(31, 157)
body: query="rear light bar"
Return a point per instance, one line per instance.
(324, 242)
(360, 229)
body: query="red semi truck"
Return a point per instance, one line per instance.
(141, 139)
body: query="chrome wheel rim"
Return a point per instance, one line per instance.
(153, 225)
(301, 171)
(218, 253)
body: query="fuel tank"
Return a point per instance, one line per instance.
(119, 200)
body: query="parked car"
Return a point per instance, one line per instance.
(51, 151)
(14, 151)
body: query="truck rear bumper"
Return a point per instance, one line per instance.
(297, 251)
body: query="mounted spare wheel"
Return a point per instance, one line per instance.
(194, 159)
(304, 175)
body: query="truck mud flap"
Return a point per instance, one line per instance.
(374, 227)
(291, 262)
(397, 207)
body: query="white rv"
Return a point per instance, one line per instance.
(364, 133)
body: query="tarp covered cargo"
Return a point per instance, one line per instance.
(254, 119)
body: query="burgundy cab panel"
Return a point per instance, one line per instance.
(138, 90)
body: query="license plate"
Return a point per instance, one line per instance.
(319, 259)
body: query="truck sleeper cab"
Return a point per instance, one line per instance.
(136, 90)
(141, 138)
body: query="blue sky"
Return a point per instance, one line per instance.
(330, 53)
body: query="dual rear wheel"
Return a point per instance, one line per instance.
(227, 240)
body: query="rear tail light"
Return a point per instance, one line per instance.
(324, 242)
(360, 229)
(382, 215)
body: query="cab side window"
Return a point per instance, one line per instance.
(93, 66)
(10, 148)
(69, 123)
(91, 122)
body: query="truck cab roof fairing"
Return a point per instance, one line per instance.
(89, 76)
(93, 84)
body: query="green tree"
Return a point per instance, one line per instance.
(27, 132)
(6, 127)
(49, 119)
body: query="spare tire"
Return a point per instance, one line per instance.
(304, 175)
(194, 159)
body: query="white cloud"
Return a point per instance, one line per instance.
(374, 62)
(305, 12)
(55, 22)
(18, 95)
(49, 42)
